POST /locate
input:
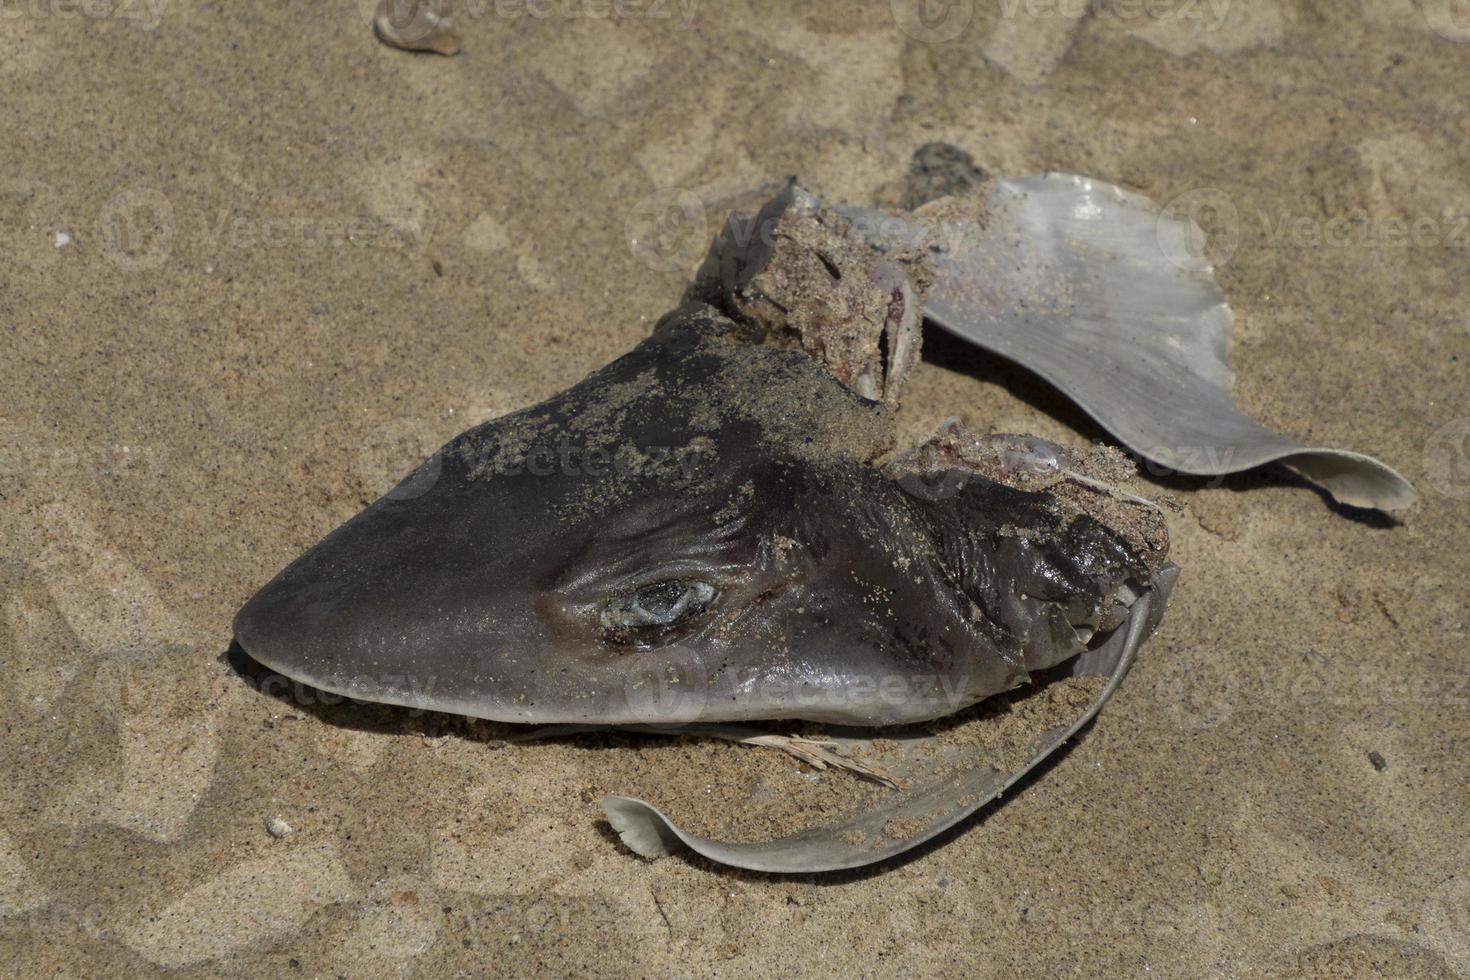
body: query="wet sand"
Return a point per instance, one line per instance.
(256, 265)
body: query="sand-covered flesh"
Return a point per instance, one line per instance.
(254, 265)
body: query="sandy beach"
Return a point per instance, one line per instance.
(255, 265)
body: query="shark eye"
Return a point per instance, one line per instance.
(653, 611)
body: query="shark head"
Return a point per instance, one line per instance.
(697, 532)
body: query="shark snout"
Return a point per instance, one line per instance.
(407, 604)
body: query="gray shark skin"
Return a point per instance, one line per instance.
(702, 531)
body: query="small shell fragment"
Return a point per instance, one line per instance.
(415, 25)
(277, 827)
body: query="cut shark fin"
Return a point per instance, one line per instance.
(1089, 286)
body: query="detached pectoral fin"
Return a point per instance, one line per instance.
(1092, 288)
